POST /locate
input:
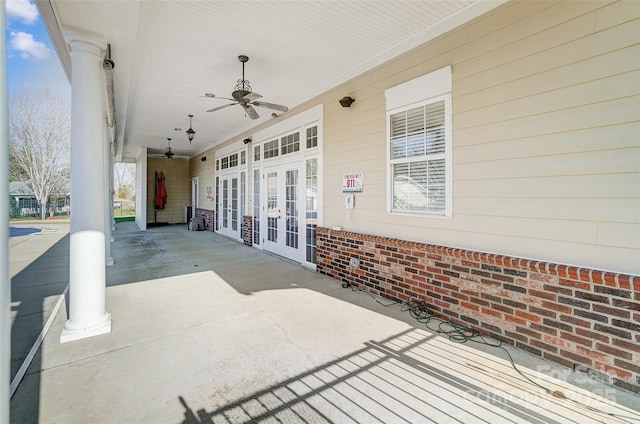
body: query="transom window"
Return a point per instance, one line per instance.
(233, 160)
(312, 137)
(271, 149)
(290, 143)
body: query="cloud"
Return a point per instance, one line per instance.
(22, 10)
(28, 47)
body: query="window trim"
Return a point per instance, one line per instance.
(448, 151)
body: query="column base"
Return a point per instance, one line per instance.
(71, 333)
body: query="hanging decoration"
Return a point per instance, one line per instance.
(161, 192)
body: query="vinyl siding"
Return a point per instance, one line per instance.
(546, 145)
(205, 171)
(141, 187)
(178, 188)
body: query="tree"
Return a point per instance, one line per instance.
(39, 133)
(124, 175)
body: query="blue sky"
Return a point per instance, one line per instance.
(31, 59)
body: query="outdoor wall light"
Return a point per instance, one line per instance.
(203, 159)
(347, 101)
(247, 140)
(190, 132)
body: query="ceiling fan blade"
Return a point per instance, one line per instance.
(281, 108)
(252, 96)
(213, 96)
(221, 107)
(251, 112)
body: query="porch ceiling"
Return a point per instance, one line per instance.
(169, 53)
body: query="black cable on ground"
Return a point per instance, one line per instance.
(418, 309)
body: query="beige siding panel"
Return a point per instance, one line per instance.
(539, 41)
(344, 161)
(601, 162)
(205, 171)
(477, 227)
(620, 235)
(619, 111)
(586, 140)
(602, 186)
(593, 68)
(365, 126)
(601, 90)
(569, 209)
(509, 14)
(600, 43)
(617, 259)
(617, 13)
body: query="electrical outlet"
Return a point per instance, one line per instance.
(354, 262)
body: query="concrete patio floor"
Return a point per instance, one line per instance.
(206, 330)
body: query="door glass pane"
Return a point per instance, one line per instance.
(217, 219)
(312, 208)
(272, 207)
(292, 208)
(256, 206)
(234, 204)
(225, 204)
(243, 199)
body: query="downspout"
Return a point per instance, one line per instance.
(108, 65)
(110, 136)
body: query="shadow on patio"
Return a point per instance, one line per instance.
(207, 330)
(412, 377)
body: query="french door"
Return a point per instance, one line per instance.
(229, 206)
(282, 210)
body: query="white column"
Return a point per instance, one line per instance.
(87, 315)
(108, 198)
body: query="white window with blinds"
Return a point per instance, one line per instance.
(419, 146)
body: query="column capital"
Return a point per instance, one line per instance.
(86, 43)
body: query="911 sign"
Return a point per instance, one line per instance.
(352, 183)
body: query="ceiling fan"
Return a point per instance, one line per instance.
(169, 154)
(245, 97)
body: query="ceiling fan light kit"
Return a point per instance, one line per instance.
(245, 97)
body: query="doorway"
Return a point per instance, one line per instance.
(229, 206)
(283, 209)
(194, 197)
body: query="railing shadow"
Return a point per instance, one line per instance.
(394, 380)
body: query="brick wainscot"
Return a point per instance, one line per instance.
(208, 217)
(581, 318)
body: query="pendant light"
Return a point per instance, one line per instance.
(190, 132)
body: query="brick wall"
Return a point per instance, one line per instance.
(208, 217)
(247, 230)
(584, 319)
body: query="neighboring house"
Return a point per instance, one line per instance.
(23, 203)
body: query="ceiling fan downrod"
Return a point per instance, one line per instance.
(243, 84)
